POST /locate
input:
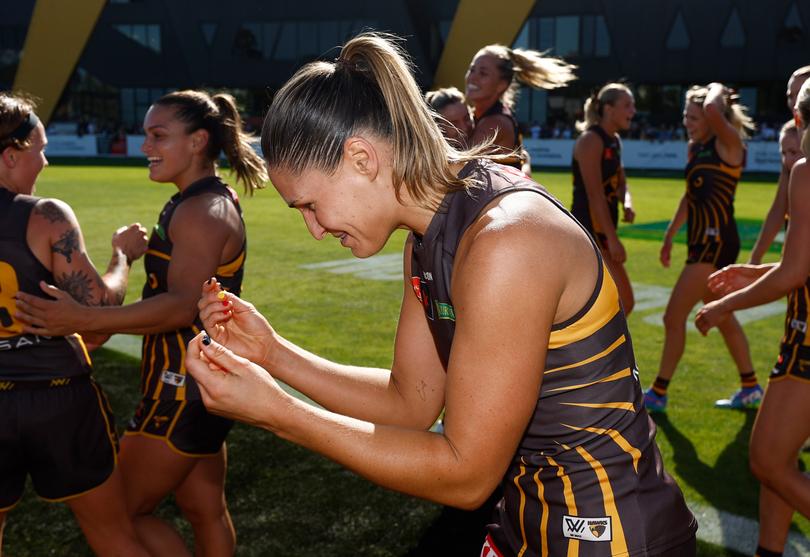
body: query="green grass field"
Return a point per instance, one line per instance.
(289, 502)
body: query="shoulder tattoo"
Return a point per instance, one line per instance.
(50, 211)
(78, 284)
(67, 244)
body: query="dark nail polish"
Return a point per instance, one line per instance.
(206, 340)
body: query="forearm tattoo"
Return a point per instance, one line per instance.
(78, 284)
(50, 211)
(67, 244)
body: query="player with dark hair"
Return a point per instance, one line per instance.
(172, 445)
(55, 422)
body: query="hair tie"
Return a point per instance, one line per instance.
(342, 63)
(25, 127)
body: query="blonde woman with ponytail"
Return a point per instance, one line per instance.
(493, 80)
(172, 444)
(783, 420)
(717, 125)
(599, 180)
(526, 357)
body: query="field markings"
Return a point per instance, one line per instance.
(648, 296)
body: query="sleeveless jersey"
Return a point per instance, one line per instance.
(610, 166)
(27, 357)
(587, 477)
(500, 108)
(163, 369)
(710, 188)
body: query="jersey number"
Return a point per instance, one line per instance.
(9, 285)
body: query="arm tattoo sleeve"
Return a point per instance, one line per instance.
(67, 244)
(78, 284)
(50, 211)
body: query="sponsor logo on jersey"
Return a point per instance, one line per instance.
(172, 378)
(587, 529)
(417, 289)
(21, 341)
(445, 311)
(800, 326)
(6, 385)
(60, 382)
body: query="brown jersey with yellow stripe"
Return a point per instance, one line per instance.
(163, 369)
(710, 188)
(587, 477)
(23, 356)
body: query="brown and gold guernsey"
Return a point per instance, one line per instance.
(163, 369)
(503, 110)
(610, 167)
(587, 477)
(710, 188)
(26, 357)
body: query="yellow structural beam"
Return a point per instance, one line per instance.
(56, 37)
(478, 23)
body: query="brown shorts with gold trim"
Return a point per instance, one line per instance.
(61, 432)
(719, 254)
(185, 425)
(793, 361)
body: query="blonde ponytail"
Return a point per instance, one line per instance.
(368, 89)
(528, 67)
(594, 105)
(734, 112)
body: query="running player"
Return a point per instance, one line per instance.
(783, 421)
(172, 445)
(493, 79)
(716, 125)
(532, 362)
(55, 422)
(599, 180)
(776, 214)
(456, 121)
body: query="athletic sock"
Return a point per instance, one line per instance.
(762, 552)
(660, 386)
(748, 380)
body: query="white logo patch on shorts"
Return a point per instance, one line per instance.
(587, 529)
(173, 379)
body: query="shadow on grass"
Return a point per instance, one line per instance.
(728, 485)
